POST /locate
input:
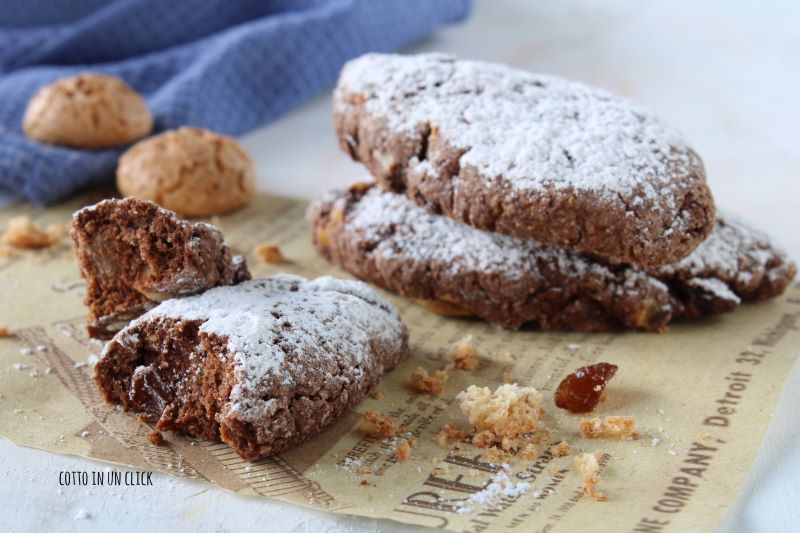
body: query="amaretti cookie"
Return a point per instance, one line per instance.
(260, 366)
(456, 269)
(87, 111)
(191, 171)
(134, 254)
(527, 155)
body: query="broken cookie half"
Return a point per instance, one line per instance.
(261, 365)
(134, 254)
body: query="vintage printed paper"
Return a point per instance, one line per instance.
(702, 395)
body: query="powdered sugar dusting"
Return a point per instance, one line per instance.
(731, 261)
(500, 487)
(402, 229)
(716, 287)
(266, 320)
(723, 252)
(539, 132)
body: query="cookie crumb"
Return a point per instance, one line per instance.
(22, 232)
(424, 383)
(156, 438)
(529, 452)
(463, 354)
(484, 439)
(364, 482)
(508, 377)
(507, 412)
(449, 433)
(379, 425)
(499, 487)
(612, 427)
(440, 470)
(403, 450)
(269, 252)
(3, 331)
(561, 449)
(495, 455)
(588, 467)
(376, 395)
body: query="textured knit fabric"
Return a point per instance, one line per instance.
(226, 65)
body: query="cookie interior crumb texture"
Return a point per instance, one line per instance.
(427, 383)
(613, 427)
(269, 253)
(261, 365)
(525, 154)
(87, 111)
(192, 171)
(507, 412)
(134, 254)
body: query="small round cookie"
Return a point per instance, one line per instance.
(87, 111)
(526, 155)
(191, 171)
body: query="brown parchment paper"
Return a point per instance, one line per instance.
(702, 394)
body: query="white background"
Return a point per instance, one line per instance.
(726, 73)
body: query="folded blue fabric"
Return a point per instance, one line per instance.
(226, 65)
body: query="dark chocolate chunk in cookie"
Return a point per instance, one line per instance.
(527, 155)
(386, 239)
(260, 366)
(134, 254)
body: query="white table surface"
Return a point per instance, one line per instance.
(726, 73)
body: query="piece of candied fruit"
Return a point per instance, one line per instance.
(580, 391)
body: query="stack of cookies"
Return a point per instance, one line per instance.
(522, 198)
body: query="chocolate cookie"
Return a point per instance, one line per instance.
(260, 366)
(526, 155)
(191, 171)
(87, 111)
(455, 269)
(134, 254)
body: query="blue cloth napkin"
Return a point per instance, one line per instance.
(226, 65)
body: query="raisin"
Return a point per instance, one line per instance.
(580, 391)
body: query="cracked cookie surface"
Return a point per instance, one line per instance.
(192, 171)
(260, 366)
(523, 154)
(87, 111)
(384, 238)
